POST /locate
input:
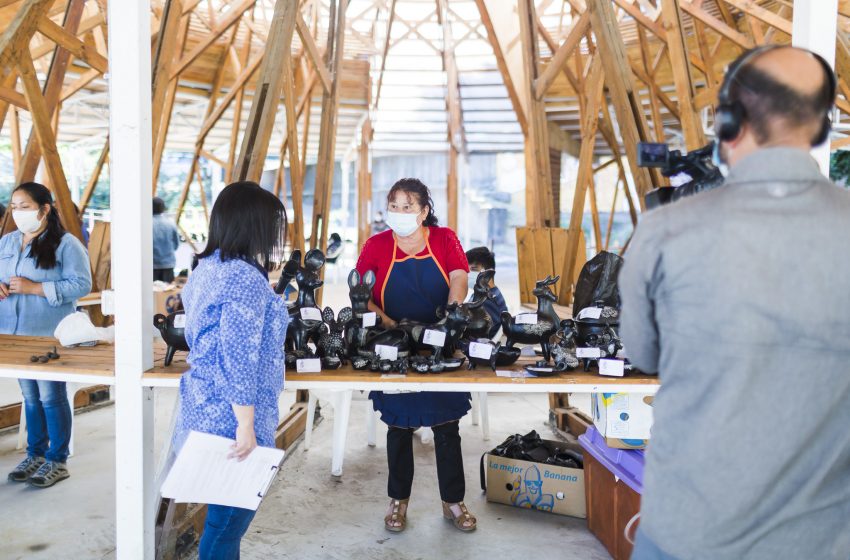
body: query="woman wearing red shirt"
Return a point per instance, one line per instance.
(419, 267)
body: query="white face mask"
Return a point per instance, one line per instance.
(402, 224)
(27, 220)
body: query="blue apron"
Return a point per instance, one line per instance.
(414, 288)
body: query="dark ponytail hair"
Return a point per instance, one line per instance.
(43, 248)
(416, 189)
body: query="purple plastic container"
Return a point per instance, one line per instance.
(625, 464)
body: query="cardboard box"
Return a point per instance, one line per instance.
(536, 485)
(623, 419)
(168, 300)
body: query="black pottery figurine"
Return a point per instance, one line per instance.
(331, 345)
(173, 336)
(303, 329)
(480, 322)
(541, 331)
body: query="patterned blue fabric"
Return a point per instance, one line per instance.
(235, 327)
(29, 315)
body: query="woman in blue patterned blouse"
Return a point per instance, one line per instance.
(235, 327)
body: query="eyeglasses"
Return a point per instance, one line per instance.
(404, 208)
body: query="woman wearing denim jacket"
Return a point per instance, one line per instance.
(43, 270)
(235, 328)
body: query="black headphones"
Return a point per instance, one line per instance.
(730, 115)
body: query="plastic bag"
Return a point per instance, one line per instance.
(597, 283)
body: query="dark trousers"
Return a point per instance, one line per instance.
(449, 462)
(163, 274)
(223, 531)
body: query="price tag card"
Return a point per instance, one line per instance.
(590, 313)
(370, 319)
(180, 321)
(311, 314)
(434, 338)
(308, 365)
(478, 350)
(386, 352)
(526, 319)
(593, 353)
(107, 302)
(614, 368)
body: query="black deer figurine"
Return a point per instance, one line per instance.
(547, 323)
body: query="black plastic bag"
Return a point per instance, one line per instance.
(597, 283)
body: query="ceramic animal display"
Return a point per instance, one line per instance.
(287, 275)
(331, 346)
(483, 352)
(541, 326)
(480, 322)
(305, 318)
(360, 294)
(595, 332)
(440, 337)
(172, 330)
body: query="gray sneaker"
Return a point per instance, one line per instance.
(25, 469)
(49, 474)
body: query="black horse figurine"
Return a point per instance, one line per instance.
(541, 331)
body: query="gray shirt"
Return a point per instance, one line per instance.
(166, 240)
(740, 299)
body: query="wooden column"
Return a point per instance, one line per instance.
(540, 210)
(158, 141)
(258, 128)
(677, 49)
(620, 83)
(327, 128)
(166, 54)
(453, 114)
(364, 185)
(244, 55)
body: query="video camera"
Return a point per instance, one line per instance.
(696, 167)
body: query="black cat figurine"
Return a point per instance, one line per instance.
(305, 318)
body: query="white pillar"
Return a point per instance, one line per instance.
(814, 28)
(130, 185)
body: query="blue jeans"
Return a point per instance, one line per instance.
(645, 549)
(223, 531)
(48, 415)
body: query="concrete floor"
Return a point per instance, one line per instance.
(309, 514)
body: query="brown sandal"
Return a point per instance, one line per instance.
(396, 520)
(465, 521)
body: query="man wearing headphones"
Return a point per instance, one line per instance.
(739, 298)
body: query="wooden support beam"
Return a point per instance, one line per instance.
(258, 129)
(44, 133)
(364, 185)
(15, 133)
(540, 208)
(228, 21)
(641, 18)
(618, 78)
(455, 138)
(244, 54)
(85, 79)
(654, 89)
(559, 59)
(677, 49)
(164, 57)
(12, 96)
(296, 166)
(762, 14)
(237, 87)
(327, 128)
(553, 46)
(390, 19)
(51, 92)
(502, 65)
(95, 177)
(657, 121)
(168, 106)
(313, 52)
(730, 33)
(69, 42)
(589, 121)
(15, 38)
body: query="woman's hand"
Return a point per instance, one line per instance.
(246, 442)
(4, 291)
(24, 286)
